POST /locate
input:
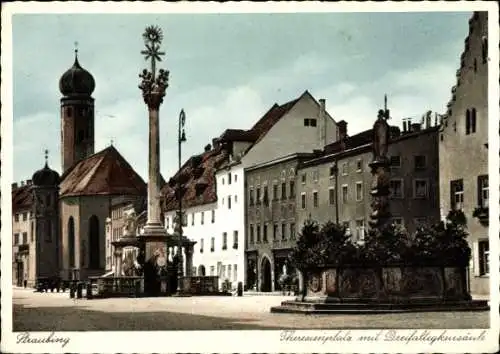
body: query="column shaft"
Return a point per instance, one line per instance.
(189, 260)
(154, 168)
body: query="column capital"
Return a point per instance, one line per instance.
(153, 89)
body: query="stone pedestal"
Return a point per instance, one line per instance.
(380, 192)
(154, 239)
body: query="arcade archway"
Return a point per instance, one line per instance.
(266, 283)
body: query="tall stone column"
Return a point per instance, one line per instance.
(154, 166)
(153, 87)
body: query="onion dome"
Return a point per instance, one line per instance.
(76, 81)
(45, 176)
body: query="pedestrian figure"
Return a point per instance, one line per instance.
(25, 283)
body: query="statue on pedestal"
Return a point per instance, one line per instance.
(380, 136)
(380, 169)
(130, 227)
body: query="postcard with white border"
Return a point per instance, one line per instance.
(250, 177)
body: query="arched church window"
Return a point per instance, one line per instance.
(71, 242)
(484, 49)
(48, 200)
(81, 136)
(69, 112)
(473, 121)
(94, 243)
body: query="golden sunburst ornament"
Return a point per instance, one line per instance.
(153, 34)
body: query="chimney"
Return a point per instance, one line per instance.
(208, 147)
(322, 121)
(215, 143)
(408, 125)
(22, 183)
(342, 127)
(435, 119)
(29, 182)
(415, 127)
(14, 186)
(428, 119)
(404, 125)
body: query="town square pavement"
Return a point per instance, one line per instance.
(57, 312)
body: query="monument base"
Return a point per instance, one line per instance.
(357, 308)
(384, 289)
(154, 244)
(154, 240)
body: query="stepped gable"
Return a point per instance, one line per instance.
(22, 198)
(198, 177)
(104, 173)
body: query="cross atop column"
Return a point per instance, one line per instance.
(152, 38)
(46, 152)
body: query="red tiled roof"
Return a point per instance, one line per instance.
(351, 142)
(272, 116)
(104, 173)
(22, 198)
(198, 176)
(238, 135)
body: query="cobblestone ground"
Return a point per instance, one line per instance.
(57, 312)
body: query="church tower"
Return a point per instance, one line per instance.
(77, 115)
(45, 221)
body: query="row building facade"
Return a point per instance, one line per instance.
(463, 151)
(221, 198)
(336, 186)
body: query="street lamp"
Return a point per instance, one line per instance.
(180, 139)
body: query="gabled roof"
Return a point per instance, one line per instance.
(271, 117)
(210, 161)
(198, 177)
(238, 135)
(22, 198)
(104, 173)
(351, 142)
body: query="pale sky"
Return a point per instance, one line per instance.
(226, 71)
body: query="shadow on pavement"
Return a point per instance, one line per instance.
(71, 319)
(68, 318)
